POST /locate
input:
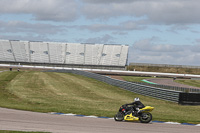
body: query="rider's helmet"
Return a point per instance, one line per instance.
(137, 99)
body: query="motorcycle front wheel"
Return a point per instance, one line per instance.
(119, 117)
(145, 117)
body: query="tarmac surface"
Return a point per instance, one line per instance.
(162, 81)
(32, 121)
(170, 82)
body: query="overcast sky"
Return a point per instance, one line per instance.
(157, 31)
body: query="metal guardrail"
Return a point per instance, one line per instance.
(182, 89)
(102, 70)
(159, 93)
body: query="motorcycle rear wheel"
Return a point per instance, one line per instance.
(119, 117)
(145, 117)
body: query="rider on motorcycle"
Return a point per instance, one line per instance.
(137, 105)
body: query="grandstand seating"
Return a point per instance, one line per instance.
(93, 53)
(116, 55)
(74, 53)
(56, 52)
(6, 52)
(63, 53)
(39, 52)
(123, 57)
(90, 54)
(19, 51)
(106, 55)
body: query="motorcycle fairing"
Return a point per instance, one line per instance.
(130, 117)
(147, 109)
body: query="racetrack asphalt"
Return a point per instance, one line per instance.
(18, 120)
(170, 82)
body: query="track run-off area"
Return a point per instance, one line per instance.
(18, 120)
(32, 121)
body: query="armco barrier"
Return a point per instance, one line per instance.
(171, 87)
(159, 93)
(189, 98)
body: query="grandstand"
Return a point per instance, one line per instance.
(101, 56)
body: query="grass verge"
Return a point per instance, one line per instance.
(164, 69)
(195, 83)
(69, 93)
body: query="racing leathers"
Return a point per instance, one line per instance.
(137, 105)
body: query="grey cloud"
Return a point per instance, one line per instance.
(121, 33)
(53, 10)
(124, 26)
(175, 28)
(150, 45)
(154, 11)
(195, 31)
(27, 37)
(157, 11)
(104, 39)
(198, 41)
(98, 27)
(38, 28)
(195, 48)
(108, 1)
(145, 51)
(133, 25)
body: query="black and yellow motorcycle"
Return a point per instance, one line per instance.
(126, 113)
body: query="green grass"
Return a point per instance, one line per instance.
(69, 93)
(164, 69)
(2, 68)
(195, 83)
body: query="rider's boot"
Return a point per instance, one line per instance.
(137, 112)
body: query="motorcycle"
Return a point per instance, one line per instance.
(126, 113)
